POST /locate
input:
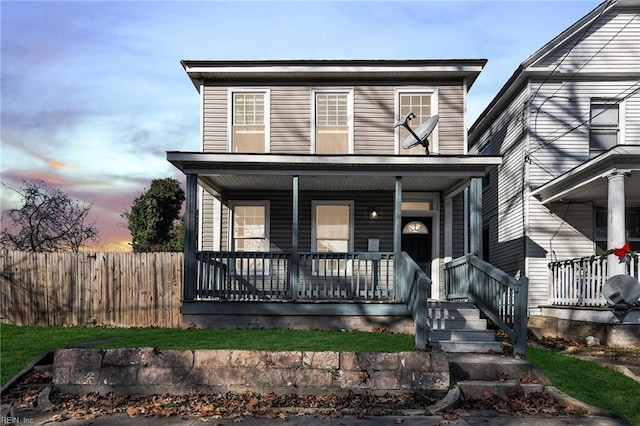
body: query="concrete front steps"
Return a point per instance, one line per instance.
(458, 328)
(475, 374)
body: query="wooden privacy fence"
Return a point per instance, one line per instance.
(113, 289)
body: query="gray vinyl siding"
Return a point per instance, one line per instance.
(290, 120)
(374, 112)
(451, 124)
(374, 115)
(457, 239)
(215, 119)
(206, 232)
(610, 43)
(281, 228)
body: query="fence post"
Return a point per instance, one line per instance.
(520, 325)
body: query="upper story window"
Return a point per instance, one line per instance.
(604, 127)
(423, 103)
(332, 129)
(249, 120)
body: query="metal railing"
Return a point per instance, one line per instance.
(501, 297)
(269, 276)
(578, 282)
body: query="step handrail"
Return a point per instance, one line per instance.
(501, 297)
(415, 288)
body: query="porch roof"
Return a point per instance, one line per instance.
(588, 182)
(231, 171)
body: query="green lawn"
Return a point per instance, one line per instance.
(583, 380)
(590, 383)
(20, 345)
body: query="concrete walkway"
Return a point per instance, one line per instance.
(464, 417)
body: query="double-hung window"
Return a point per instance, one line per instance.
(423, 104)
(250, 231)
(604, 126)
(332, 233)
(249, 120)
(332, 126)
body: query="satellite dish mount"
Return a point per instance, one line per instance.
(420, 135)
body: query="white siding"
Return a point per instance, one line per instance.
(560, 129)
(610, 43)
(561, 231)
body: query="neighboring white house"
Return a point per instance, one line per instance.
(567, 124)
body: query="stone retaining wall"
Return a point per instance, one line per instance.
(151, 371)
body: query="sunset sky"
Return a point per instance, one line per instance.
(93, 93)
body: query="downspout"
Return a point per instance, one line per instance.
(526, 186)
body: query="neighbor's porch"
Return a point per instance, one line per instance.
(578, 282)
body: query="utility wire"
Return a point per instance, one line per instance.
(578, 40)
(614, 101)
(541, 145)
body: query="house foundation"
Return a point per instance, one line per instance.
(578, 323)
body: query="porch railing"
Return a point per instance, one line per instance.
(268, 276)
(415, 290)
(578, 282)
(501, 297)
(330, 276)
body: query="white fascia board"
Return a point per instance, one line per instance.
(333, 69)
(359, 160)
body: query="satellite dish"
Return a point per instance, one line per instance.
(420, 135)
(621, 292)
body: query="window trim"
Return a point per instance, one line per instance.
(243, 203)
(231, 91)
(621, 137)
(350, 116)
(433, 91)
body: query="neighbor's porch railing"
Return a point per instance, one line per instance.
(269, 276)
(578, 282)
(501, 297)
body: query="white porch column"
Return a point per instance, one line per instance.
(616, 237)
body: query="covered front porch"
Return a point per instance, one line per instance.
(406, 216)
(610, 185)
(608, 190)
(383, 196)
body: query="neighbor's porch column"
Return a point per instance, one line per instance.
(397, 238)
(294, 240)
(616, 237)
(475, 220)
(190, 265)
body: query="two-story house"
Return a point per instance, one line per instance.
(567, 124)
(311, 213)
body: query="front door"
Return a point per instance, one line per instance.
(416, 240)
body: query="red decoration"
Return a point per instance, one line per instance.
(622, 252)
